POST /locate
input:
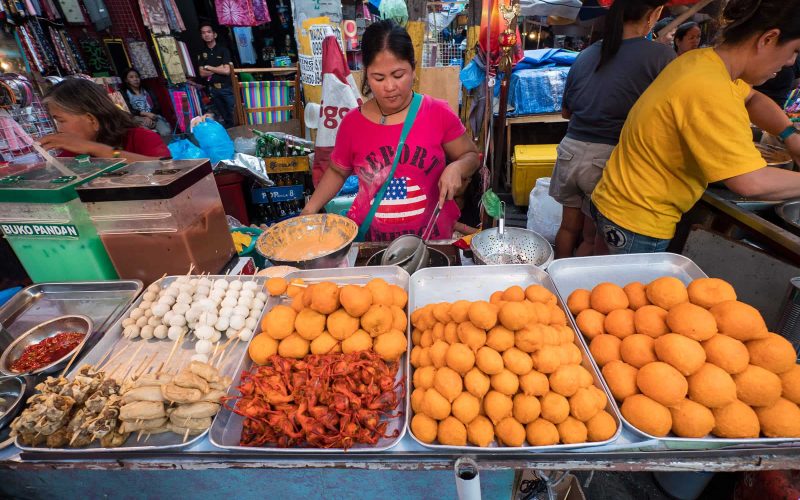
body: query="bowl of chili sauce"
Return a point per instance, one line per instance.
(47, 347)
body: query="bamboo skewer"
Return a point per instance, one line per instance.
(186, 435)
(113, 358)
(225, 354)
(127, 366)
(178, 341)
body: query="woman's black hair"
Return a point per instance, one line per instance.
(385, 35)
(684, 29)
(621, 12)
(742, 19)
(125, 85)
(81, 97)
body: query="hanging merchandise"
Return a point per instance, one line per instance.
(395, 10)
(32, 51)
(261, 11)
(140, 57)
(244, 42)
(186, 59)
(72, 11)
(235, 13)
(174, 16)
(171, 59)
(98, 13)
(74, 52)
(96, 58)
(283, 15)
(154, 16)
(186, 102)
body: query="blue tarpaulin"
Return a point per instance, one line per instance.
(546, 57)
(535, 91)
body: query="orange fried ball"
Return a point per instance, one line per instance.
(534, 383)
(541, 432)
(791, 384)
(530, 339)
(514, 294)
(667, 292)
(774, 353)
(554, 407)
(735, 421)
(739, 320)
(460, 358)
(359, 341)
(566, 380)
(637, 295)
(607, 297)
(400, 320)
(591, 323)
(500, 338)
(572, 431)
(505, 382)
(621, 379)
(424, 428)
(293, 346)
(685, 354)
(399, 296)
(341, 325)
(509, 432)
(438, 353)
(355, 299)
(482, 314)
(476, 383)
(756, 386)
(480, 431)
(381, 292)
(662, 383)
(309, 324)
(579, 301)
(278, 323)
(547, 359)
(691, 420)
(781, 419)
(276, 286)
(651, 321)
(471, 335)
(261, 348)
(497, 298)
(647, 415)
(497, 406)
(583, 404)
(390, 346)
(441, 312)
(692, 321)
(538, 293)
(378, 320)
(600, 397)
(619, 323)
(712, 386)
(435, 405)
(466, 407)
(708, 292)
(417, 396)
(558, 317)
(601, 427)
(324, 344)
(325, 297)
(570, 354)
(526, 408)
(459, 311)
(638, 350)
(605, 348)
(516, 361)
(448, 383)
(728, 353)
(297, 302)
(452, 432)
(513, 315)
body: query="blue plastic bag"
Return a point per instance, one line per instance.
(472, 75)
(184, 149)
(350, 186)
(214, 140)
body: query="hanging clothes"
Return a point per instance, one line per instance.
(96, 58)
(171, 59)
(72, 11)
(75, 54)
(261, 11)
(174, 16)
(186, 59)
(244, 42)
(235, 13)
(98, 13)
(154, 16)
(140, 57)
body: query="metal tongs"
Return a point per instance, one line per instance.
(396, 257)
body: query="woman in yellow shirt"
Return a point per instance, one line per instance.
(692, 127)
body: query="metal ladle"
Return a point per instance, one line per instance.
(409, 248)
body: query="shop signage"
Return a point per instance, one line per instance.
(286, 164)
(40, 230)
(277, 194)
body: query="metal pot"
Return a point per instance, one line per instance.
(332, 233)
(790, 212)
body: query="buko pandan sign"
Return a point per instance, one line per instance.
(40, 230)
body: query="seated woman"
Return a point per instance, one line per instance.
(143, 104)
(677, 140)
(88, 122)
(437, 158)
(687, 37)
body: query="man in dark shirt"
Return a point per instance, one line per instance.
(214, 64)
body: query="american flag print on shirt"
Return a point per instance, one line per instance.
(404, 201)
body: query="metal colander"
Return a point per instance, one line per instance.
(511, 246)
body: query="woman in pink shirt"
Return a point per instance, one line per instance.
(437, 158)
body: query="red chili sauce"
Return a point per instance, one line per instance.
(47, 351)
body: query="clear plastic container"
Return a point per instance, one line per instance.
(47, 226)
(157, 217)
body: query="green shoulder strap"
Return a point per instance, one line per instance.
(363, 229)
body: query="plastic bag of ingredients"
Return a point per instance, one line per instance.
(184, 149)
(395, 10)
(246, 145)
(214, 140)
(544, 212)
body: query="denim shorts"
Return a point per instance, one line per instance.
(622, 241)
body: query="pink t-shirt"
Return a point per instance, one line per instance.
(367, 149)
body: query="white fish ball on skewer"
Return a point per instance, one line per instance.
(232, 293)
(167, 299)
(245, 335)
(193, 281)
(236, 322)
(207, 305)
(225, 311)
(241, 310)
(229, 302)
(262, 296)
(217, 293)
(235, 285)
(231, 333)
(203, 346)
(136, 313)
(141, 321)
(153, 321)
(204, 332)
(160, 309)
(207, 318)
(131, 332)
(202, 291)
(222, 324)
(147, 332)
(251, 323)
(145, 304)
(256, 306)
(193, 314)
(217, 335)
(202, 358)
(221, 283)
(184, 298)
(205, 282)
(247, 293)
(186, 288)
(128, 322)
(177, 320)
(175, 332)
(251, 285)
(245, 302)
(181, 308)
(153, 288)
(160, 332)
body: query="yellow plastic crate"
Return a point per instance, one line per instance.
(530, 162)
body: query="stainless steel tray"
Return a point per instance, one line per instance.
(226, 430)
(113, 342)
(448, 284)
(587, 272)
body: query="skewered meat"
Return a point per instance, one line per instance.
(180, 395)
(182, 430)
(195, 410)
(113, 439)
(81, 439)
(204, 370)
(51, 384)
(189, 380)
(152, 379)
(31, 438)
(222, 384)
(144, 393)
(143, 425)
(214, 396)
(190, 423)
(58, 439)
(144, 410)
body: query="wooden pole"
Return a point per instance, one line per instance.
(473, 32)
(416, 27)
